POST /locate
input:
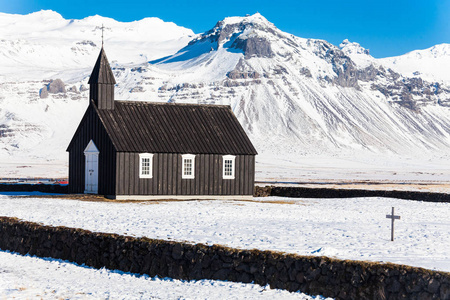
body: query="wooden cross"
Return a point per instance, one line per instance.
(392, 217)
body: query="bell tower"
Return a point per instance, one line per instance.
(101, 83)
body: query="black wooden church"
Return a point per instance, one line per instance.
(148, 150)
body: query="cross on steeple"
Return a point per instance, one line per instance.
(102, 28)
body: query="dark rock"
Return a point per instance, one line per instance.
(270, 270)
(343, 294)
(262, 191)
(301, 265)
(369, 73)
(279, 70)
(305, 72)
(56, 86)
(243, 267)
(137, 89)
(433, 286)
(227, 265)
(293, 286)
(221, 274)
(83, 88)
(72, 89)
(313, 275)
(288, 261)
(87, 43)
(261, 279)
(43, 93)
(445, 291)
(356, 279)
(196, 272)
(300, 278)
(216, 263)
(177, 251)
(244, 277)
(242, 71)
(394, 285)
(228, 35)
(315, 288)
(225, 255)
(176, 271)
(254, 269)
(292, 272)
(424, 296)
(280, 266)
(414, 285)
(284, 277)
(255, 46)
(206, 261)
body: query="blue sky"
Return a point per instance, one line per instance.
(386, 27)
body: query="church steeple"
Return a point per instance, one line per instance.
(102, 83)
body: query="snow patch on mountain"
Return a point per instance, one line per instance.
(44, 43)
(431, 64)
(358, 54)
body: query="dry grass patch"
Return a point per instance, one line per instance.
(278, 201)
(100, 198)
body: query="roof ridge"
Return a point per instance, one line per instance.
(169, 103)
(161, 127)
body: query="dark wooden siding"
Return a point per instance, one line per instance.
(103, 95)
(167, 176)
(91, 128)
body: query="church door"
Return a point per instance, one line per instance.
(91, 154)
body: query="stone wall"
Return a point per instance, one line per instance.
(44, 188)
(303, 192)
(340, 279)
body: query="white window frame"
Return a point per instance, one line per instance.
(184, 158)
(141, 157)
(233, 166)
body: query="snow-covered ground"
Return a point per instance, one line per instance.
(351, 168)
(354, 228)
(25, 277)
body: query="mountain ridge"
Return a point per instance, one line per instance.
(295, 97)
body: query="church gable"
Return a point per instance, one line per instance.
(90, 127)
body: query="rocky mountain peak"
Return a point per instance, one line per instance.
(255, 19)
(248, 34)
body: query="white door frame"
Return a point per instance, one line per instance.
(91, 155)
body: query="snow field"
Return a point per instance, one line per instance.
(354, 228)
(26, 277)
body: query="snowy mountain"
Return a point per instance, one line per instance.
(430, 64)
(306, 94)
(295, 97)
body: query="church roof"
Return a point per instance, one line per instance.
(175, 128)
(102, 72)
